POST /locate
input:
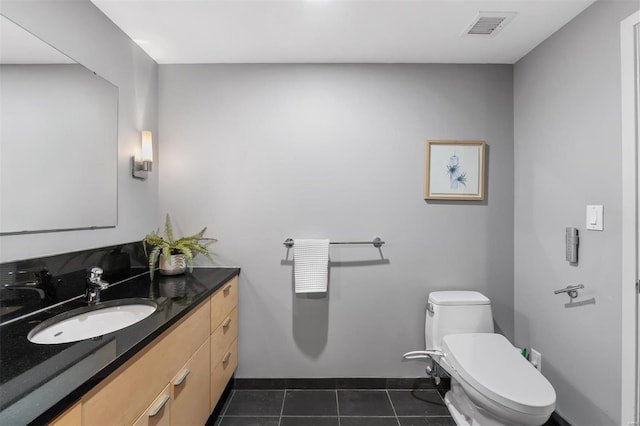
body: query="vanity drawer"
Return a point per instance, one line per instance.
(222, 371)
(133, 386)
(226, 333)
(223, 301)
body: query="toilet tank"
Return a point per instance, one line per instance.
(455, 312)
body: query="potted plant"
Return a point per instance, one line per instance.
(175, 255)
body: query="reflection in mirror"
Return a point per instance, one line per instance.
(58, 139)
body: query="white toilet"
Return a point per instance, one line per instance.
(491, 382)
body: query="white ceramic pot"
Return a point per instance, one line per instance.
(175, 265)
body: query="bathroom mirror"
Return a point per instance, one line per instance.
(58, 139)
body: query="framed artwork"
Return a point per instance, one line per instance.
(454, 170)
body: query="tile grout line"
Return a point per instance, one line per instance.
(386, 391)
(226, 407)
(337, 407)
(284, 397)
(234, 394)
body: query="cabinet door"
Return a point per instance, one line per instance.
(190, 390)
(159, 412)
(71, 417)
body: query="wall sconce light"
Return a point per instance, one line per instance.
(140, 168)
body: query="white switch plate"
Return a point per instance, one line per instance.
(595, 218)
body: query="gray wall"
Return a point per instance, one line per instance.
(81, 31)
(263, 152)
(568, 155)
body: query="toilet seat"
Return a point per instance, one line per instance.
(494, 368)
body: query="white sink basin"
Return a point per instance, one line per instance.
(91, 321)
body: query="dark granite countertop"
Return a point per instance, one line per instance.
(38, 382)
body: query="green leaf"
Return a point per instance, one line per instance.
(198, 236)
(188, 255)
(190, 246)
(153, 257)
(166, 252)
(168, 229)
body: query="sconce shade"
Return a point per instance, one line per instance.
(140, 168)
(147, 146)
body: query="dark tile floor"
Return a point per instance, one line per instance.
(334, 407)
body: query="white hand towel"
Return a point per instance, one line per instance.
(311, 264)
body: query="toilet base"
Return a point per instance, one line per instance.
(465, 412)
(458, 417)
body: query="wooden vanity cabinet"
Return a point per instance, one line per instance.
(224, 338)
(130, 390)
(177, 379)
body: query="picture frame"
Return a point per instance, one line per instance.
(454, 170)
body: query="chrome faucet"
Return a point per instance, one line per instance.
(94, 285)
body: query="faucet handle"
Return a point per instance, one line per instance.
(95, 274)
(94, 277)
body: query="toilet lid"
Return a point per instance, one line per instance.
(458, 297)
(495, 368)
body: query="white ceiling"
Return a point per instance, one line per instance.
(334, 31)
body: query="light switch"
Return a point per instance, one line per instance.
(595, 218)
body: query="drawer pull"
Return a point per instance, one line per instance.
(155, 410)
(226, 358)
(226, 289)
(226, 323)
(183, 376)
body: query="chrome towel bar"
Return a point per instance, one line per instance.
(377, 242)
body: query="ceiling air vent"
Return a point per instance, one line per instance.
(488, 24)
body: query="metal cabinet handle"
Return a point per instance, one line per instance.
(226, 289)
(183, 376)
(155, 410)
(572, 290)
(226, 323)
(226, 358)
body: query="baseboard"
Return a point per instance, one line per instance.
(341, 383)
